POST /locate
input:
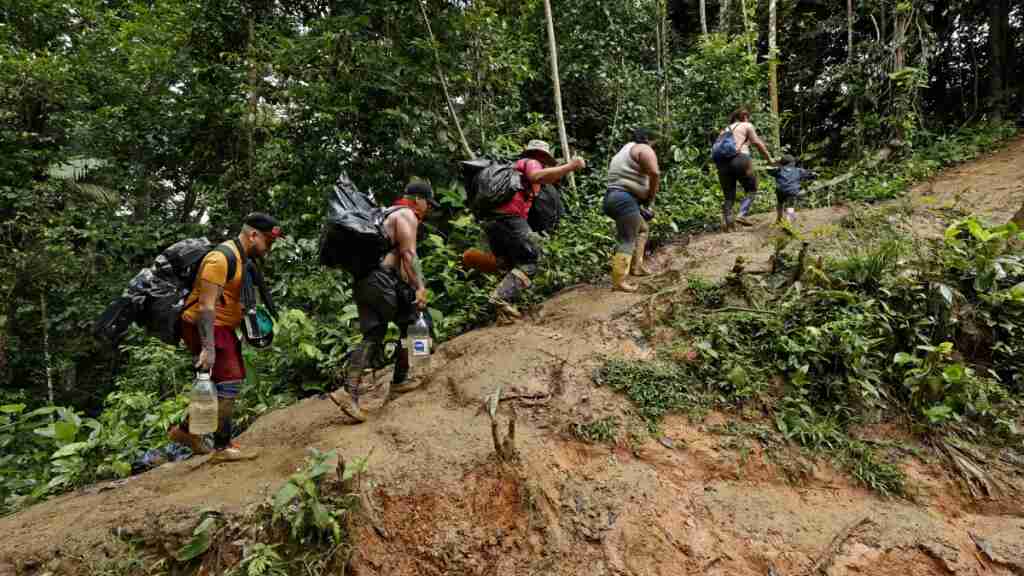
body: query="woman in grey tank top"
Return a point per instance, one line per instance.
(633, 179)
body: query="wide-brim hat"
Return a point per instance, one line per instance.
(539, 149)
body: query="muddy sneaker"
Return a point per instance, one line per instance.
(505, 313)
(744, 221)
(191, 441)
(347, 404)
(233, 453)
(407, 385)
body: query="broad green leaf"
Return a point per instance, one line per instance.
(12, 408)
(65, 431)
(356, 466)
(205, 526)
(70, 449)
(284, 496)
(45, 410)
(738, 377)
(902, 358)
(121, 468)
(196, 547)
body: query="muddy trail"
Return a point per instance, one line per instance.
(686, 502)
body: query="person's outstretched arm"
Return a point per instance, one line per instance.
(555, 173)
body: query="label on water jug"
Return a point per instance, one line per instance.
(421, 347)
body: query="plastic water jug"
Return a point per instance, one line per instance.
(420, 345)
(202, 407)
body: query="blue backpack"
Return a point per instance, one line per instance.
(724, 149)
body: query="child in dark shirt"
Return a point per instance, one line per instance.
(787, 186)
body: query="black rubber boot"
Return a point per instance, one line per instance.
(401, 366)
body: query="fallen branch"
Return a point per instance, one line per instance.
(800, 264)
(828, 556)
(505, 449)
(879, 157)
(742, 309)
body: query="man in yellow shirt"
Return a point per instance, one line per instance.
(212, 313)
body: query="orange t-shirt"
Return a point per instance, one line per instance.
(214, 269)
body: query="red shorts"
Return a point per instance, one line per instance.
(228, 367)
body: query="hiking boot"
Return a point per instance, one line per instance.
(400, 381)
(232, 453)
(193, 442)
(744, 221)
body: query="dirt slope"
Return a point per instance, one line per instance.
(686, 505)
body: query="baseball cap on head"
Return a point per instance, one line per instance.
(421, 189)
(264, 223)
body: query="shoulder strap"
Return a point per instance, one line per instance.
(230, 256)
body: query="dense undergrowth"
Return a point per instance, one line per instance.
(52, 449)
(927, 335)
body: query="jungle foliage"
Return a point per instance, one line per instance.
(126, 125)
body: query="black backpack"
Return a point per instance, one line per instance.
(156, 296)
(489, 183)
(547, 210)
(353, 236)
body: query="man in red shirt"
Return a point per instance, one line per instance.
(508, 231)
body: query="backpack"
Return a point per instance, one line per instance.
(724, 147)
(489, 184)
(353, 236)
(156, 296)
(547, 210)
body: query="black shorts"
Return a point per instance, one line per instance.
(381, 297)
(509, 237)
(738, 169)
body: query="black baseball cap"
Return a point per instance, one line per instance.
(264, 223)
(421, 189)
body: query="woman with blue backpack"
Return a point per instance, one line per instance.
(731, 153)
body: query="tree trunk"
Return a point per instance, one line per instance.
(746, 26)
(999, 39)
(553, 52)
(660, 34)
(46, 344)
(142, 196)
(444, 84)
(849, 30)
(253, 100)
(723, 16)
(703, 17)
(849, 61)
(773, 72)
(976, 83)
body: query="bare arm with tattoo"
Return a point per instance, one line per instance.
(208, 293)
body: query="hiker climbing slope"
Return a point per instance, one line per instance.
(508, 231)
(731, 154)
(633, 180)
(212, 313)
(787, 186)
(394, 290)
